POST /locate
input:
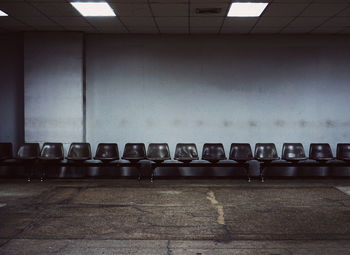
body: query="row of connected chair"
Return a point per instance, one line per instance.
(184, 152)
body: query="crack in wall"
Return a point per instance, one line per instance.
(219, 208)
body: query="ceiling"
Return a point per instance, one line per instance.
(179, 17)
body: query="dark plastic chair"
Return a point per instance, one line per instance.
(6, 151)
(107, 152)
(241, 152)
(186, 152)
(79, 152)
(52, 152)
(321, 152)
(158, 152)
(265, 153)
(213, 152)
(28, 151)
(293, 152)
(134, 152)
(343, 151)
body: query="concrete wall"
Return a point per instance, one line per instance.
(11, 89)
(53, 64)
(218, 89)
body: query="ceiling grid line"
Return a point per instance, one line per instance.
(258, 19)
(331, 17)
(153, 17)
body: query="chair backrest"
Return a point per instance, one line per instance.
(52, 151)
(343, 151)
(320, 151)
(213, 152)
(108, 151)
(241, 152)
(265, 151)
(6, 151)
(186, 152)
(79, 151)
(134, 151)
(29, 151)
(158, 151)
(292, 151)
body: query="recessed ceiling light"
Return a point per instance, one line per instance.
(94, 9)
(3, 13)
(246, 9)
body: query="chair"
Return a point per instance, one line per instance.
(79, 152)
(107, 152)
(213, 152)
(28, 153)
(5, 151)
(186, 152)
(320, 152)
(265, 153)
(50, 153)
(293, 152)
(158, 152)
(343, 151)
(134, 152)
(241, 152)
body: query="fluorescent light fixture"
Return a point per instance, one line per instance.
(3, 13)
(94, 9)
(246, 9)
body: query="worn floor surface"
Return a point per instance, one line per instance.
(196, 217)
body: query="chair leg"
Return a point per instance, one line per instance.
(246, 168)
(30, 172)
(43, 173)
(138, 173)
(262, 169)
(153, 169)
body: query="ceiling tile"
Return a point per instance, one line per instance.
(19, 9)
(169, 1)
(170, 10)
(265, 30)
(345, 12)
(327, 30)
(131, 10)
(87, 29)
(274, 21)
(107, 29)
(39, 21)
(104, 21)
(56, 9)
(205, 30)
(143, 30)
(338, 21)
(345, 31)
(138, 21)
(172, 21)
(297, 30)
(307, 21)
(12, 24)
(323, 10)
(236, 22)
(284, 9)
(222, 6)
(173, 30)
(71, 21)
(206, 22)
(236, 30)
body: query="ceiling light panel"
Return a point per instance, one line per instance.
(246, 9)
(94, 9)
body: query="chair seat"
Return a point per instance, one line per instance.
(344, 159)
(133, 158)
(4, 158)
(78, 159)
(26, 158)
(186, 159)
(296, 159)
(103, 159)
(158, 159)
(267, 159)
(51, 158)
(242, 159)
(323, 159)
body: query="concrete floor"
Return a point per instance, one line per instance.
(198, 217)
